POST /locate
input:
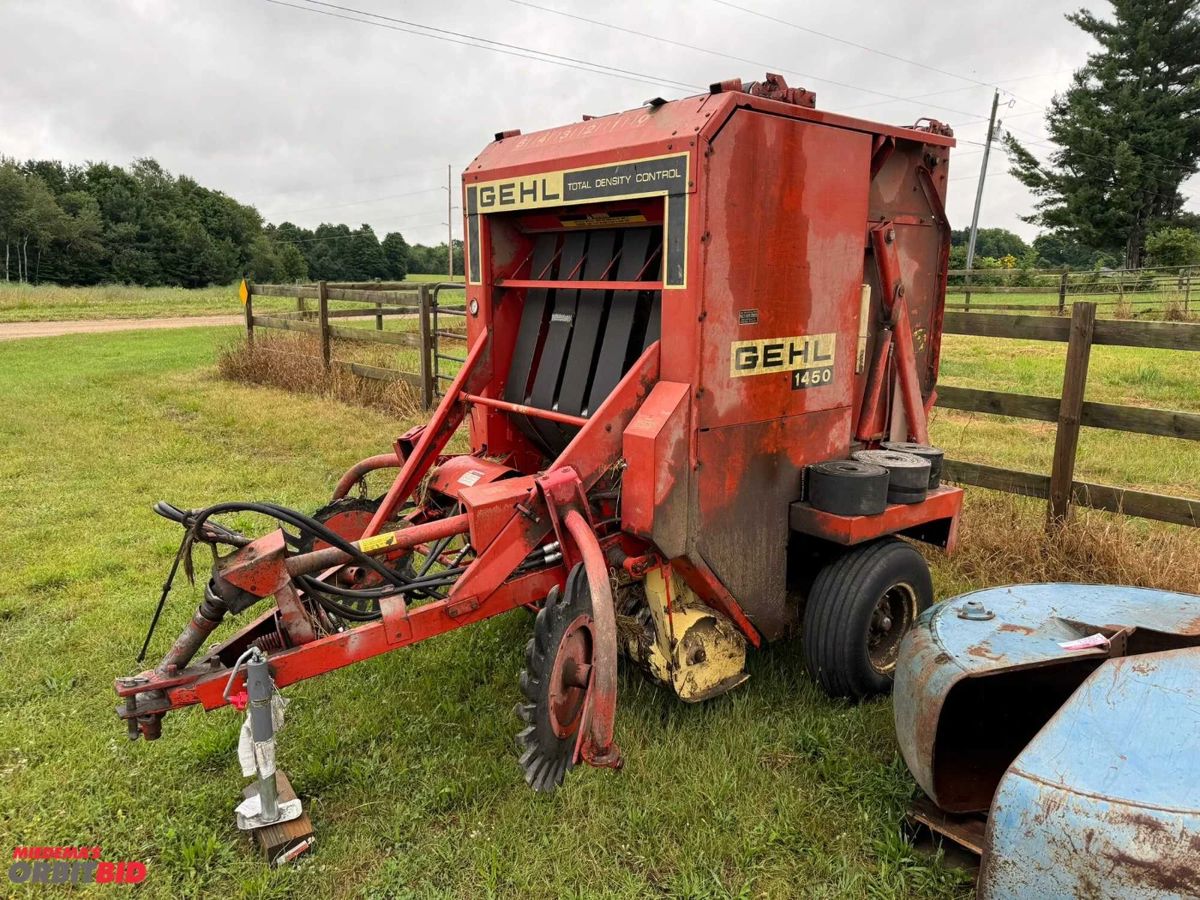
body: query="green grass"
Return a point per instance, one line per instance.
(406, 761)
(1125, 375)
(52, 303)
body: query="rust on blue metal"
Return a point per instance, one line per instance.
(1105, 801)
(1072, 712)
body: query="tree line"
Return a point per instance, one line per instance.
(92, 223)
(998, 248)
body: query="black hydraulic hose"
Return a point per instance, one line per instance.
(435, 552)
(304, 523)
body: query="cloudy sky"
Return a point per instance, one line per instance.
(311, 117)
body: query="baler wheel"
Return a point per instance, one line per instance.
(555, 682)
(859, 608)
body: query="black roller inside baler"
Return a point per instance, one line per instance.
(573, 345)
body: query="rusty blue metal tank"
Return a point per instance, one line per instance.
(1071, 713)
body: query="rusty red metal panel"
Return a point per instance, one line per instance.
(654, 492)
(460, 472)
(490, 506)
(941, 505)
(748, 476)
(782, 270)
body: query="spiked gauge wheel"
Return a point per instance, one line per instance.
(558, 662)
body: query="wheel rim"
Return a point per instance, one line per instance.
(569, 677)
(890, 620)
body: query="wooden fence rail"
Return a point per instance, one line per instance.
(387, 299)
(1071, 411)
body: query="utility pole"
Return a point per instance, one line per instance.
(987, 148)
(450, 217)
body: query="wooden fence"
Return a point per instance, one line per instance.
(415, 300)
(1138, 290)
(1080, 332)
(1070, 411)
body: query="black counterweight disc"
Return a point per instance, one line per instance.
(554, 683)
(848, 488)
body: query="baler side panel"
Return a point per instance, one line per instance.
(747, 475)
(785, 213)
(784, 260)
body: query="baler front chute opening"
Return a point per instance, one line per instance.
(577, 336)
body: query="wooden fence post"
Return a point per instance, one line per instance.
(323, 314)
(428, 363)
(248, 309)
(1062, 293)
(1070, 410)
(1187, 291)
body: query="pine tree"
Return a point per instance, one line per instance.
(1127, 130)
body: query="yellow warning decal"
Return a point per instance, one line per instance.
(244, 291)
(785, 354)
(378, 542)
(602, 220)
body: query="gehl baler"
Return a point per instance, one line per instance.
(684, 323)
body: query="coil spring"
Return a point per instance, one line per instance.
(269, 643)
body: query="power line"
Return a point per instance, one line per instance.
(849, 43)
(765, 65)
(968, 87)
(454, 37)
(913, 62)
(1167, 182)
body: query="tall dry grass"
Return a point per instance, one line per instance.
(293, 362)
(1003, 539)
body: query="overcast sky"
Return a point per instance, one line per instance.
(313, 118)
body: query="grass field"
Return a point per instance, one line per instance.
(1125, 375)
(51, 303)
(407, 760)
(1136, 304)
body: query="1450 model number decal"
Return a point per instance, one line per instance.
(808, 357)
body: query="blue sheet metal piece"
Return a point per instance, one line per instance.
(971, 692)
(1091, 754)
(1105, 801)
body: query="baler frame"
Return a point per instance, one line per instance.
(618, 498)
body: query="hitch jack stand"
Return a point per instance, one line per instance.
(270, 810)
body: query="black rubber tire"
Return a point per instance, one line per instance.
(848, 488)
(840, 608)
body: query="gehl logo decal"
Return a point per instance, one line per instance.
(522, 193)
(809, 357)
